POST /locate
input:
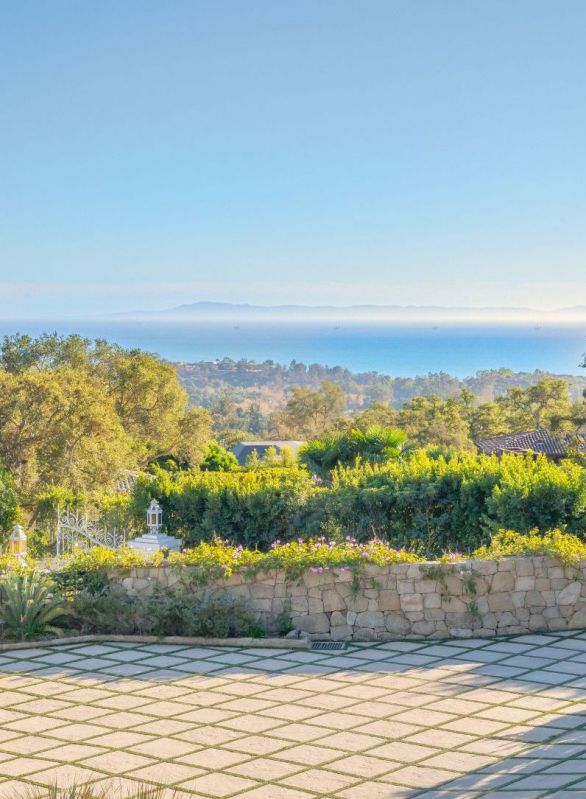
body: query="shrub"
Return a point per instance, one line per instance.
(218, 459)
(440, 505)
(250, 508)
(556, 544)
(182, 612)
(29, 607)
(428, 502)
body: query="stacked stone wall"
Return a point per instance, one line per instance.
(427, 600)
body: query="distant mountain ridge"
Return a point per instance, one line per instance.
(240, 311)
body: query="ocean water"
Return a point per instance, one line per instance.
(398, 349)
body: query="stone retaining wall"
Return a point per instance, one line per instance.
(430, 600)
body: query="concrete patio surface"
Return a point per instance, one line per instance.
(502, 719)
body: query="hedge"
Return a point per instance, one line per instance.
(426, 504)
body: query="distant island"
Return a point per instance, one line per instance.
(243, 311)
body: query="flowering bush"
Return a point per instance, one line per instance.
(210, 561)
(567, 548)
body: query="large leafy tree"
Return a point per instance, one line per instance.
(75, 413)
(308, 413)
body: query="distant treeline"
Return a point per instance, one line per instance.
(266, 384)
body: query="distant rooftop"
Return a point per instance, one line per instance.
(539, 441)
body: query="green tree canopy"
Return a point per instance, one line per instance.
(373, 445)
(77, 414)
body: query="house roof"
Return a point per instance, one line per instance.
(540, 441)
(244, 449)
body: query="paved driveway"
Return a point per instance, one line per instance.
(500, 719)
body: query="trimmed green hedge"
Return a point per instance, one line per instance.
(426, 504)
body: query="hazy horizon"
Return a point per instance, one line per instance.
(332, 153)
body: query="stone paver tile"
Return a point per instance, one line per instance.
(165, 709)
(159, 692)
(219, 784)
(207, 715)
(389, 729)
(164, 727)
(123, 720)
(213, 758)
(116, 762)
(443, 739)
(248, 704)
(300, 732)
(121, 740)
(275, 792)
(308, 754)
(122, 702)
(326, 701)
(352, 741)
(206, 699)
(256, 745)
(65, 776)
(252, 723)
(86, 695)
(403, 752)
(264, 768)
(575, 767)
(497, 747)
(377, 790)
(23, 765)
(459, 761)
(290, 712)
(27, 744)
(363, 765)
(476, 726)
(419, 777)
(34, 724)
(425, 718)
(77, 732)
(41, 706)
(208, 735)
(166, 748)
(319, 781)
(514, 715)
(540, 782)
(81, 713)
(71, 753)
(165, 773)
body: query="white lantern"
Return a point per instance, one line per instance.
(154, 517)
(17, 543)
(154, 540)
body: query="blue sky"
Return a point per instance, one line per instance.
(316, 151)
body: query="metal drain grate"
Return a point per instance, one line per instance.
(328, 645)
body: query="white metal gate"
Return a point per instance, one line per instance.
(77, 530)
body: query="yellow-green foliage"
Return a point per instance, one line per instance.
(567, 548)
(432, 502)
(209, 561)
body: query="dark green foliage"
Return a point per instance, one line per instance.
(376, 444)
(427, 502)
(8, 503)
(251, 508)
(438, 505)
(184, 612)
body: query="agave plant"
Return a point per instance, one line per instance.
(28, 606)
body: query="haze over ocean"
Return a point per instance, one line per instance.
(398, 349)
